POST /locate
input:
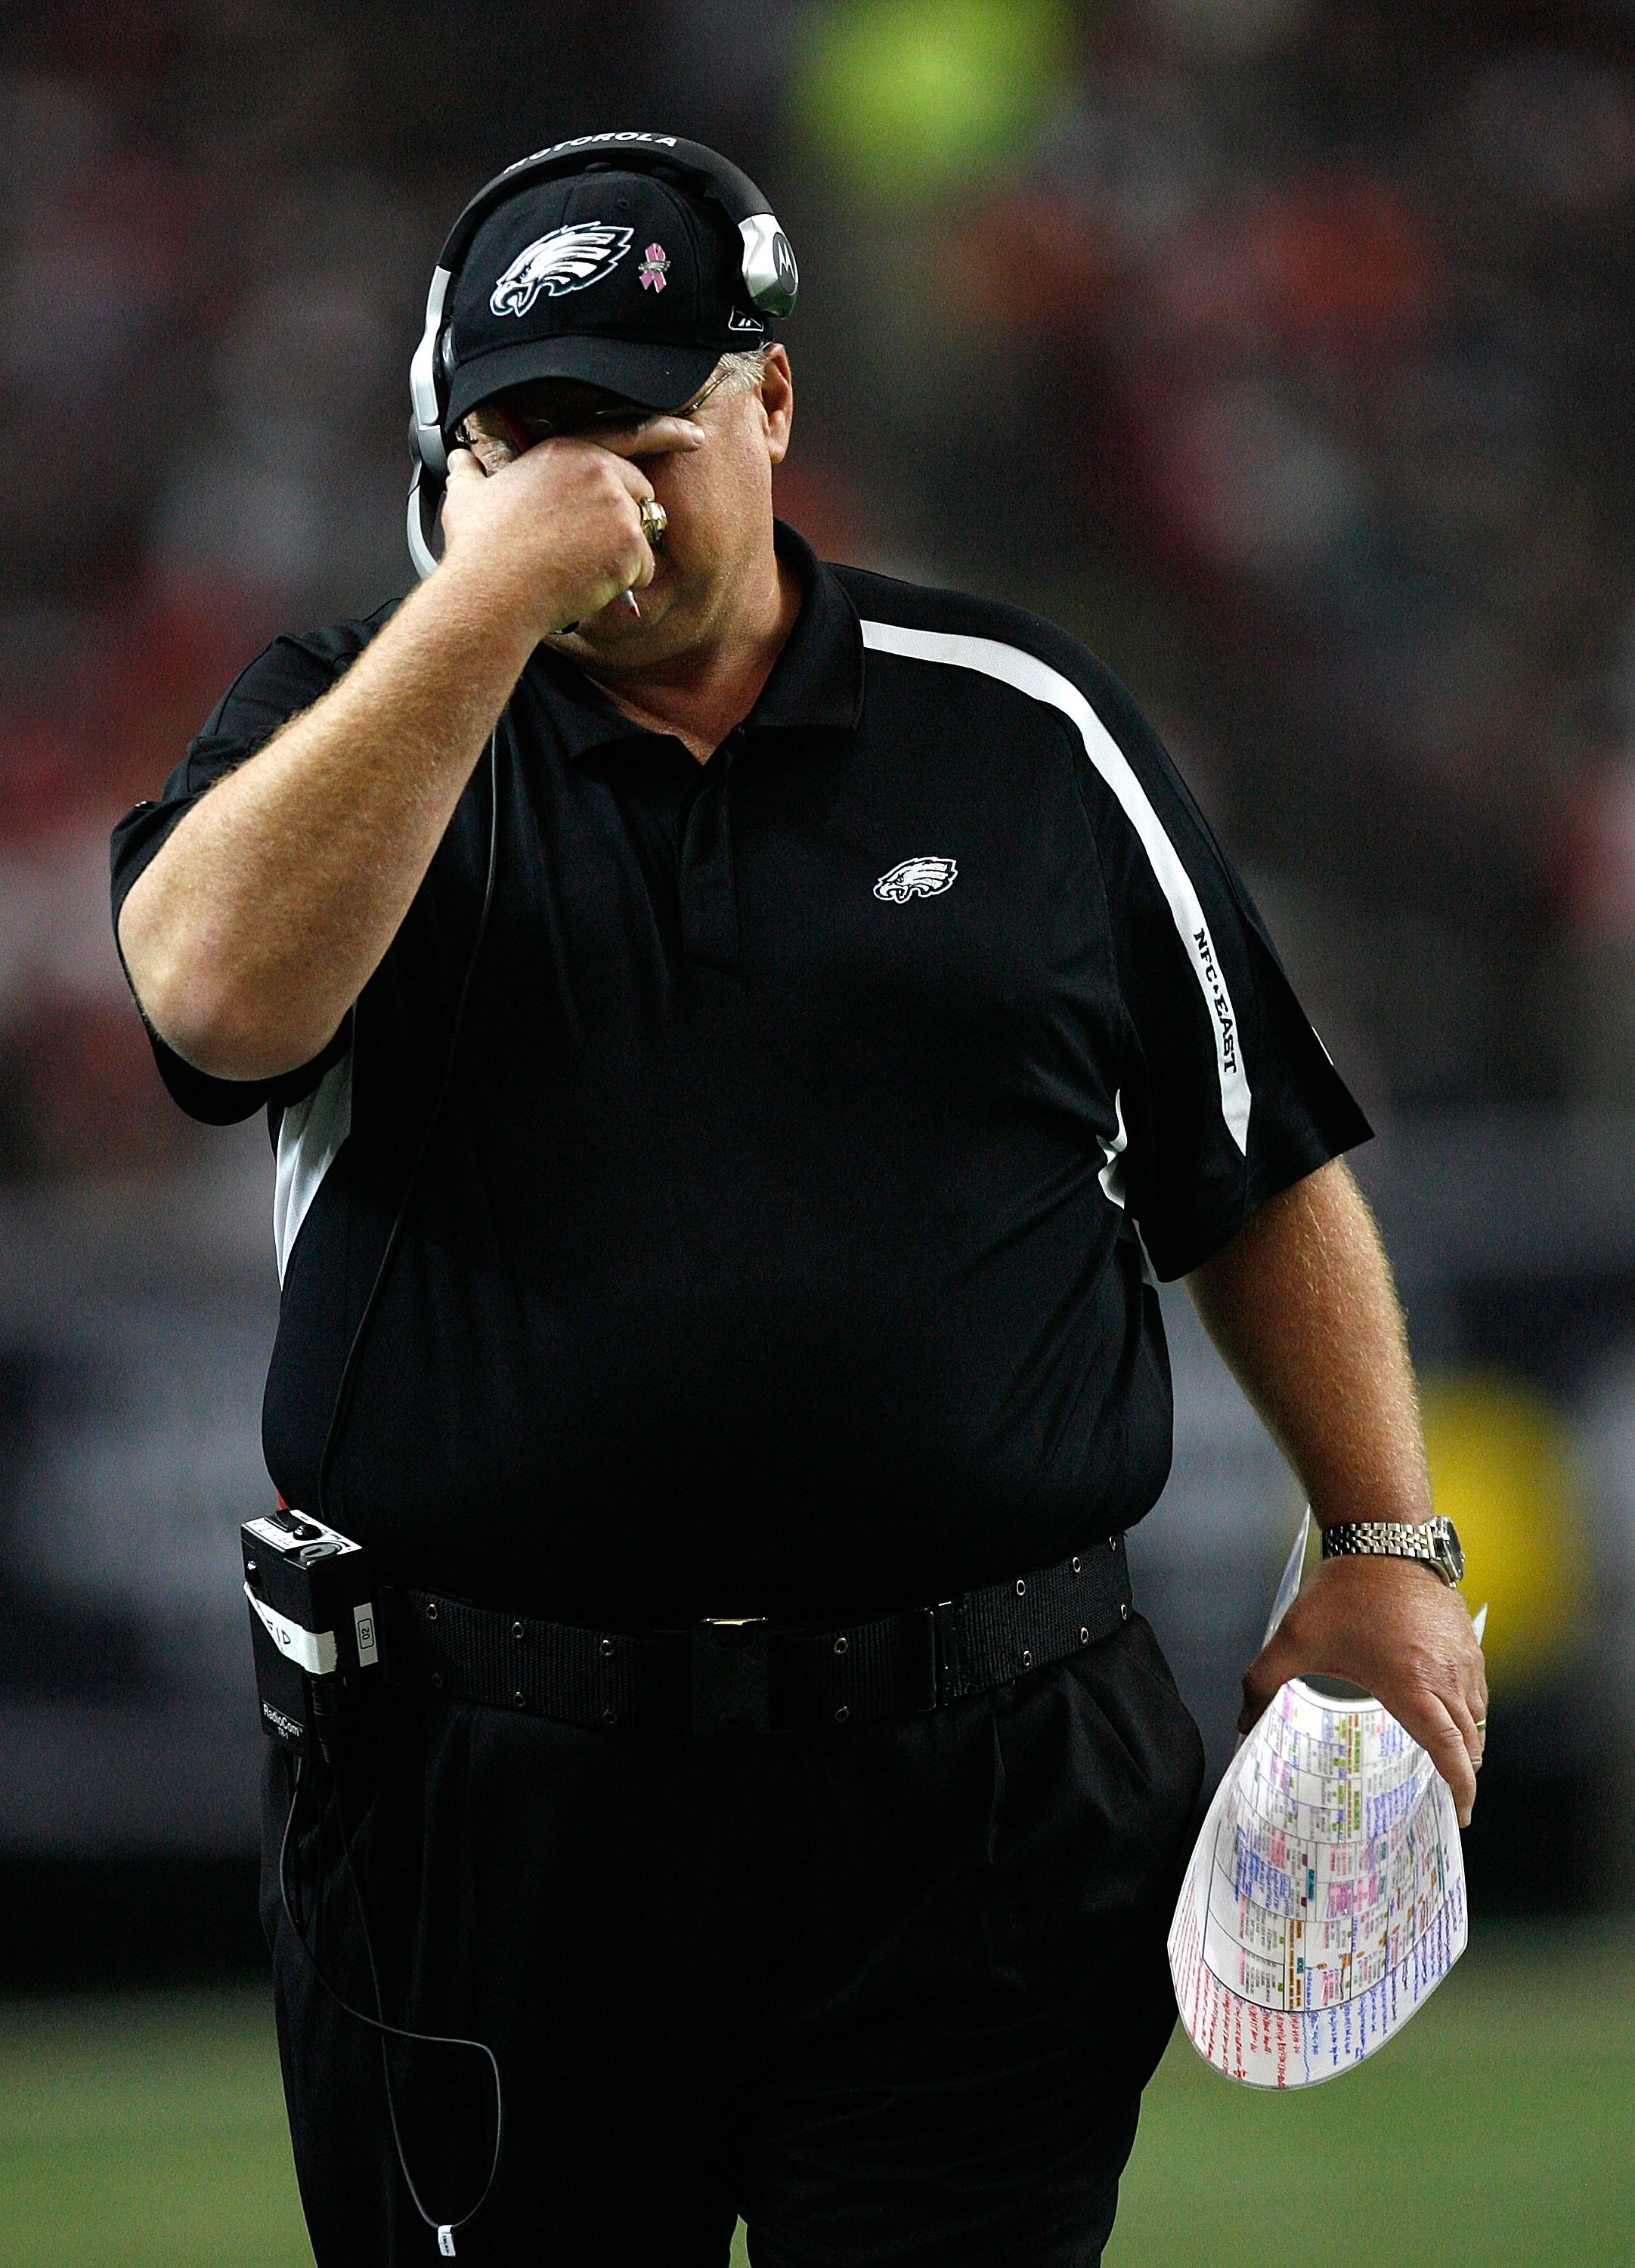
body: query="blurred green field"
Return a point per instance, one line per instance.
(1500, 2130)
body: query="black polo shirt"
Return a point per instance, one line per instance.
(777, 1246)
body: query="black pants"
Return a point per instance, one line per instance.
(889, 1992)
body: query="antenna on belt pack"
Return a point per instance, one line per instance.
(315, 1639)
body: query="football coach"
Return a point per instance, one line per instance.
(742, 1036)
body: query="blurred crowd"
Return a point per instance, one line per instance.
(1291, 363)
(1281, 349)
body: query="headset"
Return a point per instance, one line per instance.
(771, 279)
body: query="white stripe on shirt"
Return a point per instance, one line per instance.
(309, 1134)
(1029, 675)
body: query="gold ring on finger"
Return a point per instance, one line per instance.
(1480, 1723)
(654, 519)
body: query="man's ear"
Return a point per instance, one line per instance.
(777, 402)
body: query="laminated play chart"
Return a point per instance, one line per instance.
(1325, 1899)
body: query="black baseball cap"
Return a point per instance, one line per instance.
(620, 280)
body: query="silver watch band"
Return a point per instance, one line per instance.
(1432, 1541)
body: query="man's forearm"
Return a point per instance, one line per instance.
(1302, 1307)
(272, 904)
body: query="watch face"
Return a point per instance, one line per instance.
(1450, 1552)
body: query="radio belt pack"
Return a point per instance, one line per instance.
(311, 1624)
(316, 1642)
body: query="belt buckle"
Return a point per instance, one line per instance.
(728, 1685)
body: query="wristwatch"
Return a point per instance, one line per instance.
(1435, 1541)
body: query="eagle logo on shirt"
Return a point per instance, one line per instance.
(570, 259)
(916, 878)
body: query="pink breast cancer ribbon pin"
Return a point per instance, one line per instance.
(655, 260)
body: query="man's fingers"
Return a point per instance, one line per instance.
(1446, 1726)
(1271, 1668)
(1393, 1628)
(1446, 1748)
(1475, 1699)
(652, 437)
(635, 479)
(1471, 1713)
(464, 467)
(1464, 1717)
(1433, 1725)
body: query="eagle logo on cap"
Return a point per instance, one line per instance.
(570, 259)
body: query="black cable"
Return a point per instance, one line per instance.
(332, 1437)
(378, 2023)
(348, 1368)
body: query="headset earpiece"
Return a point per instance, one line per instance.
(770, 276)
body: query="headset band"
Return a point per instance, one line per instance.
(733, 189)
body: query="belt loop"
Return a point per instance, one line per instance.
(946, 1653)
(930, 1663)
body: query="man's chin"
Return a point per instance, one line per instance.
(618, 626)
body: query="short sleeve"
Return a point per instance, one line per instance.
(287, 678)
(1227, 1094)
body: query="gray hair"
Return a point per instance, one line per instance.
(745, 370)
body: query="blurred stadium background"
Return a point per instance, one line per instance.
(1281, 349)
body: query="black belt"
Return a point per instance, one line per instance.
(722, 1674)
